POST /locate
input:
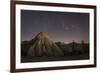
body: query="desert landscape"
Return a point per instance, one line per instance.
(54, 36)
(42, 48)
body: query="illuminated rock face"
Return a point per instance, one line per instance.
(43, 45)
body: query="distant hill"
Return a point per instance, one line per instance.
(73, 48)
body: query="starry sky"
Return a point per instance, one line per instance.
(61, 26)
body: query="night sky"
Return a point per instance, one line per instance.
(61, 26)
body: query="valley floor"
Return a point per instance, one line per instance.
(45, 59)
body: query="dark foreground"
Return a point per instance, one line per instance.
(45, 59)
